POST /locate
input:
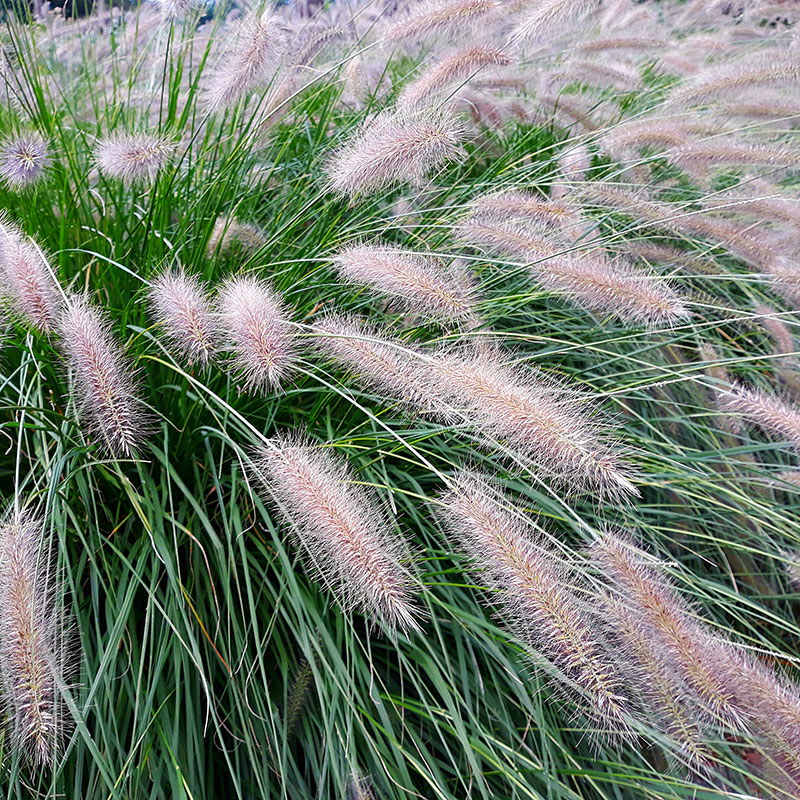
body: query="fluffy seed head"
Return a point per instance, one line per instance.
(612, 287)
(768, 412)
(31, 642)
(777, 329)
(29, 283)
(440, 17)
(394, 148)
(423, 285)
(256, 324)
(719, 81)
(513, 204)
(249, 63)
(538, 418)
(133, 158)
(23, 160)
(547, 14)
(343, 531)
(388, 366)
(229, 233)
(669, 706)
(661, 614)
(534, 597)
(181, 305)
(454, 68)
(102, 381)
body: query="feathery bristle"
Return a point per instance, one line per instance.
(31, 641)
(773, 69)
(229, 233)
(383, 364)
(424, 285)
(612, 287)
(539, 418)
(29, 283)
(344, 532)
(698, 157)
(255, 322)
(669, 706)
(664, 617)
(506, 205)
(394, 148)
(182, 307)
(533, 595)
(133, 158)
(441, 17)
(249, 63)
(777, 329)
(547, 14)
(23, 160)
(768, 412)
(102, 381)
(458, 66)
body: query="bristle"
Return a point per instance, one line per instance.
(228, 234)
(534, 597)
(182, 307)
(249, 62)
(502, 206)
(102, 381)
(546, 15)
(441, 17)
(612, 287)
(662, 613)
(458, 66)
(381, 363)
(541, 420)
(32, 647)
(29, 283)
(346, 536)
(255, 322)
(23, 160)
(777, 329)
(424, 285)
(394, 148)
(770, 413)
(133, 158)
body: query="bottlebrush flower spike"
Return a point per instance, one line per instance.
(660, 613)
(597, 283)
(258, 331)
(767, 412)
(384, 364)
(541, 20)
(32, 646)
(102, 381)
(441, 17)
(698, 157)
(29, 283)
(228, 233)
(669, 706)
(534, 597)
(777, 329)
(503, 206)
(454, 68)
(423, 285)
(718, 81)
(133, 158)
(182, 307)
(249, 63)
(23, 160)
(543, 421)
(393, 148)
(343, 531)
